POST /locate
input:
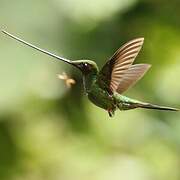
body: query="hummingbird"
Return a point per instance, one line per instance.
(104, 87)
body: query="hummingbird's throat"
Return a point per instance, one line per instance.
(88, 81)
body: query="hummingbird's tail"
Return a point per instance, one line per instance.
(152, 106)
(125, 103)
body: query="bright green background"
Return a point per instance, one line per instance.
(49, 132)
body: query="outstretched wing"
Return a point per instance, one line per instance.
(113, 71)
(132, 75)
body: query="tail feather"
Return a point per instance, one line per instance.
(152, 106)
(125, 103)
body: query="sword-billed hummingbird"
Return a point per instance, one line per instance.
(105, 87)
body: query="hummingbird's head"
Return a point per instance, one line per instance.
(85, 66)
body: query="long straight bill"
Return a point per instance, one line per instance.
(37, 48)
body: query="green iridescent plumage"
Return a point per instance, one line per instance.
(104, 87)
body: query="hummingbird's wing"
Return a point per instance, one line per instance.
(131, 76)
(113, 71)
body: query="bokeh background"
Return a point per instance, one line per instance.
(50, 132)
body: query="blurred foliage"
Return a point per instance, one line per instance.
(50, 132)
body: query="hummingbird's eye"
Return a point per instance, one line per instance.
(85, 64)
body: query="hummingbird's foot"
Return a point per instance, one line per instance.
(110, 112)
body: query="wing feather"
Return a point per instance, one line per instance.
(124, 58)
(113, 71)
(132, 75)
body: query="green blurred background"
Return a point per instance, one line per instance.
(50, 132)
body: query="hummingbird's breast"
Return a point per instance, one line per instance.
(96, 94)
(101, 98)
